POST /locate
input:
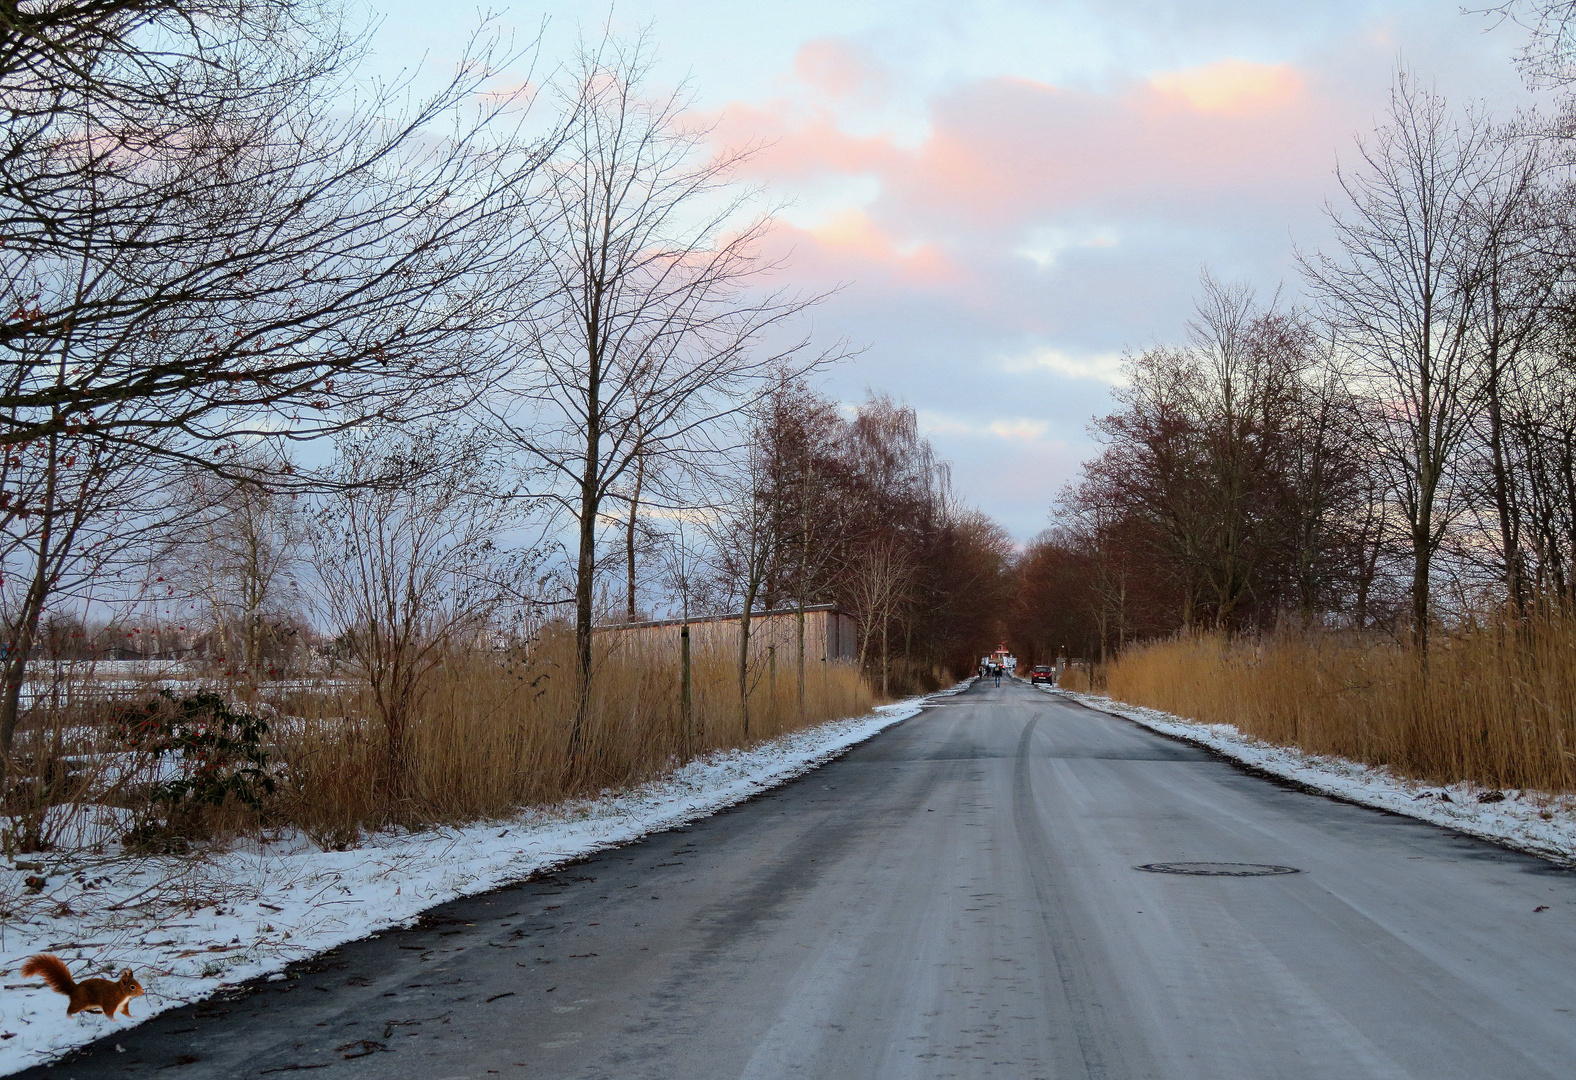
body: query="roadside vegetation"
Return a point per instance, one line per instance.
(1350, 526)
(1493, 708)
(147, 770)
(332, 460)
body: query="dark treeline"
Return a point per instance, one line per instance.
(1232, 489)
(862, 515)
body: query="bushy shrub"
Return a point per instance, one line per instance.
(216, 754)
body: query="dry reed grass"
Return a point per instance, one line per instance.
(492, 732)
(1493, 705)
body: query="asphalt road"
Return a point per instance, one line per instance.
(956, 898)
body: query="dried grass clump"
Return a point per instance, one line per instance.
(1492, 705)
(492, 732)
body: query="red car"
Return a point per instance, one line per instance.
(1043, 673)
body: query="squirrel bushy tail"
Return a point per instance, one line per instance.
(53, 970)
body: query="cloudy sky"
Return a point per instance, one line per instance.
(1012, 192)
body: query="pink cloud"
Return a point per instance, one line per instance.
(837, 68)
(1010, 150)
(1004, 151)
(788, 146)
(1232, 87)
(851, 245)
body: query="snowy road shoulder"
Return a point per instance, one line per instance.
(192, 927)
(1526, 820)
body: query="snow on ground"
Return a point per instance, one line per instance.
(191, 927)
(1527, 820)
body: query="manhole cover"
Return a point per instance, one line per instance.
(1217, 869)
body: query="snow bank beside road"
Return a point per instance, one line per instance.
(1527, 820)
(191, 927)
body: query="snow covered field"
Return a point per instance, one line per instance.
(1526, 820)
(191, 927)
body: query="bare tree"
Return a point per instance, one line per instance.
(880, 581)
(209, 235)
(1241, 399)
(647, 337)
(1540, 439)
(1404, 291)
(406, 551)
(1328, 515)
(1094, 524)
(1523, 260)
(836, 490)
(75, 522)
(653, 487)
(238, 544)
(686, 577)
(1549, 56)
(799, 436)
(201, 253)
(631, 532)
(747, 547)
(1229, 476)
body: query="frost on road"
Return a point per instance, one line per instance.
(1527, 820)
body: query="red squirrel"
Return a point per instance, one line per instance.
(101, 994)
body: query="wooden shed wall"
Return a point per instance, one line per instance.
(829, 635)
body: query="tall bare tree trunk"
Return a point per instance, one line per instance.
(1422, 559)
(585, 566)
(886, 655)
(252, 598)
(629, 535)
(686, 696)
(1510, 544)
(744, 664)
